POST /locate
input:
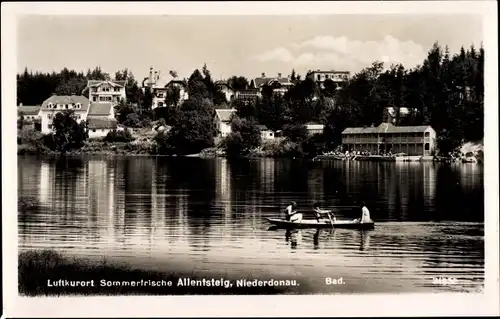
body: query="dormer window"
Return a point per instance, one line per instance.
(50, 106)
(78, 106)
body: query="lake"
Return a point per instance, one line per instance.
(208, 215)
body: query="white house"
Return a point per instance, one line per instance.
(228, 91)
(265, 133)
(280, 84)
(57, 103)
(29, 112)
(100, 126)
(106, 91)
(320, 76)
(314, 128)
(222, 121)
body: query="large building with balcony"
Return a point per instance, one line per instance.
(336, 76)
(106, 91)
(410, 140)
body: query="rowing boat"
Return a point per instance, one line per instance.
(313, 223)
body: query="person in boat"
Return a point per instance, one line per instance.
(365, 214)
(318, 212)
(292, 214)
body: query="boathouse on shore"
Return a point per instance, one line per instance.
(410, 140)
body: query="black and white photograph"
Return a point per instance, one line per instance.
(318, 153)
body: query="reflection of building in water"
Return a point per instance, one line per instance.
(101, 197)
(223, 187)
(429, 184)
(27, 179)
(158, 201)
(46, 182)
(315, 184)
(267, 166)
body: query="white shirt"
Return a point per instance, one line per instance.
(365, 216)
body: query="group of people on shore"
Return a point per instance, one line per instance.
(294, 216)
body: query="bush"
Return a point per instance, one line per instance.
(119, 136)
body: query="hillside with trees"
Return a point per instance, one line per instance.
(446, 91)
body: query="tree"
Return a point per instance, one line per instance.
(244, 136)
(330, 88)
(238, 83)
(68, 134)
(295, 133)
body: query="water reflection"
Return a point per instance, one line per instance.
(213, 212)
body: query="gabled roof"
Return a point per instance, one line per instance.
(28, 109)
(102, 109)
(66, 99)
(99, 122)
(222, 83)
(331, 71)
(176, 82)
(94, 83)
(386, 128)
(224, 115)
(260, 81)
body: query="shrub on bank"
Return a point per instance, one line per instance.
(119, 136)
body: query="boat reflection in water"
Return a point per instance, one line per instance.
(294, 237)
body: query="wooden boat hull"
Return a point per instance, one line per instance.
(312, 223)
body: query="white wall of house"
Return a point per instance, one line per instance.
(159, 96)
(267, 134)
(314, 129)
(105, 92)
(98, 132)
(224, 128)
(47, 115)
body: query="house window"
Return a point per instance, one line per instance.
(426, 146)
(49, 116)
(427, 134)
(160, 104)
(50, 105)
(78, 105)
(49, 126)
(160, 95)
(326, 76)
(102, 98)
(94, 130)
(117, 89)
(319, 77)
(67, 106)
(94, 98)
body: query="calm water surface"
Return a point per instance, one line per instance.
(209, 215)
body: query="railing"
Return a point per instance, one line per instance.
(389, 140)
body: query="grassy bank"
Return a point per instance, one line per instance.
(36, 268)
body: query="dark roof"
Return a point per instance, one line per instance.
(224, 114)
(386, 128)
(100, 109)
(98, 122)
(176, 82)
(222, 83)
(258, 82)
(28, 109)
(330, 71)
(66, 99)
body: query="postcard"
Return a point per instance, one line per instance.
(250, 158)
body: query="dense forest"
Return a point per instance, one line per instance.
(446, 91)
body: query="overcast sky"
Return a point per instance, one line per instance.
(236, 45)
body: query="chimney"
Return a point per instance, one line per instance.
(150, 74)
(20, 104)
(263, 75)
(279, 75)
(158, 76)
